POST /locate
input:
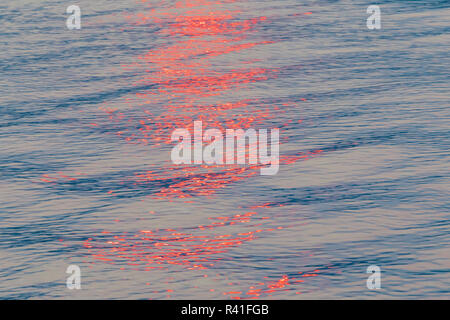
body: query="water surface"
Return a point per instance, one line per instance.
(86, 176)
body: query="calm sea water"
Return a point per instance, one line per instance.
(86, 176)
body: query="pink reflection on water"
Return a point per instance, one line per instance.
(190, 247)
(186, 81)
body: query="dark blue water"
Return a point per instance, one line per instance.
(86, 176)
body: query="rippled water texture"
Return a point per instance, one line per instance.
(86, 177)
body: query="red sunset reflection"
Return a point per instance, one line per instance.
(182, 81)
